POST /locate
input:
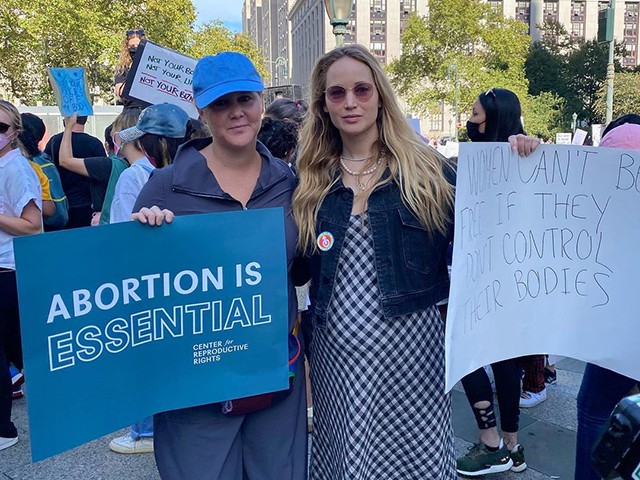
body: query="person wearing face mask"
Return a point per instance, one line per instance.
(496, 116)
(160, 130)
(20, 214)
(127, 53)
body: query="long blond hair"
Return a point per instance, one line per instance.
(124, 60)
(413, 165)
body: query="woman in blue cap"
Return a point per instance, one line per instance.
(231, 171)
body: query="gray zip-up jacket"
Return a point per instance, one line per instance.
(189, 187)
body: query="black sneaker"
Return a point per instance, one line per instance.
(517, 455)
(481, 461)
(550, 376)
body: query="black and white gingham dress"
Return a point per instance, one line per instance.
(380, 412)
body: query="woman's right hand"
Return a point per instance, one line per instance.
(153, 216)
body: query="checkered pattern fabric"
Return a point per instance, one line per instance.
(380, 411)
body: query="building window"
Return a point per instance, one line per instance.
(577, 10)
(577, 29)
(522, 11)
(436, 121)
(550, 10)
(378, 8)
(496, 5)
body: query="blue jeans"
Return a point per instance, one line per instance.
(600, 392)
(143, 428)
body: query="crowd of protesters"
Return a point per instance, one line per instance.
(374, 339)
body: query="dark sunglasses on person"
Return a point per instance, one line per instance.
(4, 127)
(135, 32)
(363, 92)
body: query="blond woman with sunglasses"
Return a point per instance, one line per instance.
(20, 214)
(374, 211)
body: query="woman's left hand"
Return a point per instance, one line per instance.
(523, 144)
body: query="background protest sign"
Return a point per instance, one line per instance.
(70, 89)
(161, 75)
(545, 257)
(136, 320)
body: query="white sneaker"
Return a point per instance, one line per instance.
(126, 444)
(7, 442)
(530, 399)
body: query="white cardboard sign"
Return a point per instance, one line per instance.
(546, 257)
(161, 75)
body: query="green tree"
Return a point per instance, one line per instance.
(214, 37)
(626, 95)
(63, 33)
(487, 49)
(586, 71)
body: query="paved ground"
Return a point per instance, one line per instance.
(547, 434)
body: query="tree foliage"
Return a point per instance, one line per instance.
(626, 95)
(214, 37)
(573, 70)
(487, 50)
(66, 33)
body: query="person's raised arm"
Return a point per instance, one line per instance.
(29, 222)
(67, 160)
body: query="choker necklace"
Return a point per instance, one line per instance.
(362, 184)
(349, 159)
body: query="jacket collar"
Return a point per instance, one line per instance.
(191, 173)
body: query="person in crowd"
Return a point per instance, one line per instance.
(98, 170)
(534, 387)
(160, 130)
(128, 50)
(20, 214)
(76, 187)
(231, 171)
(33, 131)
(287, 109)
(601, 388)
(280, 137)
(496, 116)
(366, 178)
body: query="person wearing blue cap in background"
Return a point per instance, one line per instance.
(160, 130)
(231, 171)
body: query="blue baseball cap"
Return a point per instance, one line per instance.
(163, 119)
(226, 72)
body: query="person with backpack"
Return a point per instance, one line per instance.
(33, 131)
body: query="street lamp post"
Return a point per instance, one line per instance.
(610, 68)
(453, 69)
(339, 12)
(279, 62)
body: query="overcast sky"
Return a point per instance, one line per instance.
(229, 11)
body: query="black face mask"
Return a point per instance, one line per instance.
(132, 52)
(473, 132)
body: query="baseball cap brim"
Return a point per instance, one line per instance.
(212, 94)
(130, 134)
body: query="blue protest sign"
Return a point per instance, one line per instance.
(70, 89)
(135, 320)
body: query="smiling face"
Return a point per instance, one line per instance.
(234, 119)
(355, 112)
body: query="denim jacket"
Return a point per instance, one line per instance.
(411, 263)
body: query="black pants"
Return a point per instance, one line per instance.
(10, 347)
(507, 376)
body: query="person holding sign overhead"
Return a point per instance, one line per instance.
(127, 53)
(231, 171)
(20, 214)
